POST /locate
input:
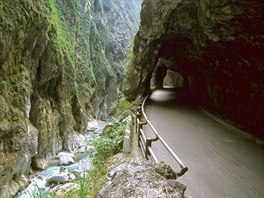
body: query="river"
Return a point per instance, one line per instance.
(40, 180)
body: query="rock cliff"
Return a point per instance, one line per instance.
(216, 45)
(60, 63)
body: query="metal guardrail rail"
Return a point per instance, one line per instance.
(145, 143)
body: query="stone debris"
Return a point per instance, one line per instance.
(39, 181)
(139, 178)
(58, 179)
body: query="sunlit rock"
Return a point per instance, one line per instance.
(60, 176)
(92, 126)
(65, 158)
(76, 142)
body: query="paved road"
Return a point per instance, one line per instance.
(222, 163)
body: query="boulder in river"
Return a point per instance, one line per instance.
(61, 176)
(76, 142)
(65, 158)
(83, 166)
(92, 125)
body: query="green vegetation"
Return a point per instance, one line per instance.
(108, 144)
(63, 38)
(101, 7)
(85, 73)
(90, 185)
(56, 55)
(122, 106)
(105, 146)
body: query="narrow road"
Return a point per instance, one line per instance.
(221, 161)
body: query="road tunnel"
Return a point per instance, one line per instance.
(173, 80)
(219, 56)
(164, 77)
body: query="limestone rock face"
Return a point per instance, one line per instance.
(120, 20)
(59, 66)
(217, 46)
(140, 179)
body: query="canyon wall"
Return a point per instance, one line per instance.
(60, 65)
(216, 45)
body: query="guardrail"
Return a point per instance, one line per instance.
(146, 143)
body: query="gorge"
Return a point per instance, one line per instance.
(61, 65)
(64, 63)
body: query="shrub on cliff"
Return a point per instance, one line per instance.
(109, 143)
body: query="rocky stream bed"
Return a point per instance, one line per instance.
(58, 177)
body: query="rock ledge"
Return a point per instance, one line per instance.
(139, 178)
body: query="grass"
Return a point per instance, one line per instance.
(91, 184)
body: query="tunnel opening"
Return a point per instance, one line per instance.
(163, 77)
(169, 82)
(173, 80)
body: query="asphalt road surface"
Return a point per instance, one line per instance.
(222, 162)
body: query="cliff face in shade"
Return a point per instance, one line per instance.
(217, 46)
(57, 59)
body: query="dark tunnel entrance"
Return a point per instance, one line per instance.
(165, 78)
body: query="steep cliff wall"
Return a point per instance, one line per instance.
(119, 20)
(217, 46)
(57, 59)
